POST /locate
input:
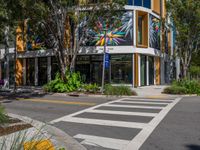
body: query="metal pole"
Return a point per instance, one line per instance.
(103, 71)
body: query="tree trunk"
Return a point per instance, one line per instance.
(6, 42)
(185, 69)
(62, 65)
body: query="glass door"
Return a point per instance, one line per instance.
(151, 70)
(30, 71)
(42, 71)
(143, 70)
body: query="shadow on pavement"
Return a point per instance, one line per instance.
(8, 97)
(193, 147)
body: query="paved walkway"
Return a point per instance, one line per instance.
(154, 90)
(122, 124)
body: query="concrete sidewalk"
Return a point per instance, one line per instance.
(154, 90)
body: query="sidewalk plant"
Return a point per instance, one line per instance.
(118, 90)
(91, 88)
(183, 87)
(3, 116)
(58, 85)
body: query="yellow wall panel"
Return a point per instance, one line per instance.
(145, 29)
(158, 79)
(19, 39)
(19, 72)
(136, 78)
(156, 6)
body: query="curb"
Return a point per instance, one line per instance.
(61, 139)
(162, 96)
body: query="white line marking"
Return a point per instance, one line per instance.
(132, 102)
(134, 106)
(122, 113)
(106, 122)
(82, 111)
(98, 141)
(137, 142)
(156, 100)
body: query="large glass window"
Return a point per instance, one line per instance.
(140, 30)
(143, 70)
(30, 71)
(130, 2)
(11, 72)
(54, 67)
(154, 32)
(144, 3)
(138, 2)
(119, 72)
(151, 70)
(42, 70)
(147, 3)
(121, 69)
(83, 66)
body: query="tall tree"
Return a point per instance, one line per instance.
(53, 17)
(186, 18)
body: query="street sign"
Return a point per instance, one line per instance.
(107, 60)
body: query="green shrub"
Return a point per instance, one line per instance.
(118, 90)
(3, 116)
(195, 70)
(175, 90)
(91, 88)
(191, 86)
(58, 85)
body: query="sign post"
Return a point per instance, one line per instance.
(104, 60)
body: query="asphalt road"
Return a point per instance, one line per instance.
(47, 108)
(106, 124)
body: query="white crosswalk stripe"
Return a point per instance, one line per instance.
(154, 100)
(105, 122)
(122, 113)
(111, 143)
(135, 102)
(134, 106)
(163, 106)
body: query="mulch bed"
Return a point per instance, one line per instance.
(13, 125)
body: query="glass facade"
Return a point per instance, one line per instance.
(144, 3)
(120, 70)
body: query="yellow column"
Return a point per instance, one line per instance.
(19, 72)
(136, 70)
(157, 61)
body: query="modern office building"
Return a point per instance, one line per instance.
(140, 49)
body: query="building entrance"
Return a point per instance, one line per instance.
(30, 71)
(151, 70)
(42, 71)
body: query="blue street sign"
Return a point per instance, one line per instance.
(107, 60)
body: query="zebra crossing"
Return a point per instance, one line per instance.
(141, 114)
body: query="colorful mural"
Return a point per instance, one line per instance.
(119, 32)
(34, 41)
(154, 32)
